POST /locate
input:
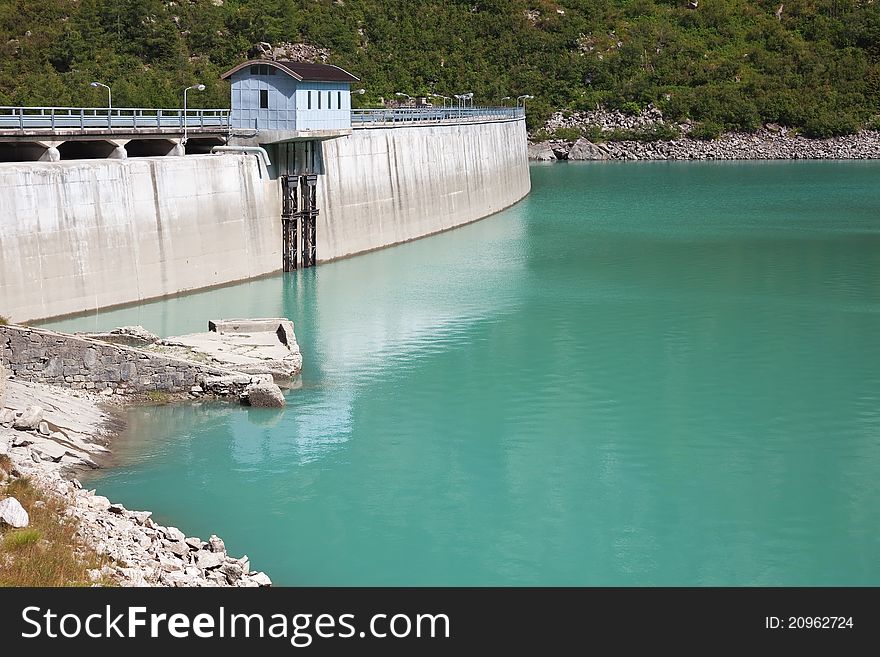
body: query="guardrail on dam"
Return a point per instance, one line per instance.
(85, 234)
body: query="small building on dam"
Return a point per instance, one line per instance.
(103, 207)
(289, 96)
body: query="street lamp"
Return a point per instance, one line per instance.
(503, 99)
(359, 92)
(463, 98)
(445, 98)
(523, 98)
(109, 100)
(197, 87)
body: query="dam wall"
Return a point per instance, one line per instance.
(87, 234)
(80, 235)
(386, 185)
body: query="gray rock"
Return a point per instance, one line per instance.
(215, 544)
(48, 450)
(178, 548)
(98, 503)
(232, 570)
(174, 534)
(207, 560)
(2, 387)
(541, 152)
(29, 420)
(44, 428)
(13, 514)
(586, 150)
(194, 542)
(260, 579)
(7, 417)
(264, 395)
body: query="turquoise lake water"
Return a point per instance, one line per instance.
(643, 374)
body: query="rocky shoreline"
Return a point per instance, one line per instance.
(50, 433)
(771, 142)
(139, 552)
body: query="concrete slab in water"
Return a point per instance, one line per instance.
(251, 346)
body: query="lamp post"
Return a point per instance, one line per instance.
(109, 101)
(359, 92)
(400, 94)
(523, 98)
(503, 99)
(197, 87)
(445, 98)
(464, 98)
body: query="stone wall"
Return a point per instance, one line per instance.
(81, 363)
(2, 385)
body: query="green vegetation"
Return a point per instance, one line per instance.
(158, 397)
(657, 132)
(707, 130)
(728, 63)
(48, 552)
(4, 320)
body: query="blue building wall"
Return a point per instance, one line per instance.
(292, 105)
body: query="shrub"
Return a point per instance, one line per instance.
(540, 135)
(633, 109)
(823, 123)
(21, 538)
(707, 130)
(568, 134)
(657, 132)
(4, 320)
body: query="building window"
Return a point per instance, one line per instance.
(319, 100)
(329, 100)
(264, 99)
(310, 100)
(338, 100)
(255, 70)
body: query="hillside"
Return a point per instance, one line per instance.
(726, 63)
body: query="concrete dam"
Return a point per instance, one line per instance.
(80, 235)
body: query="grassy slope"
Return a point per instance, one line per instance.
(49, 551)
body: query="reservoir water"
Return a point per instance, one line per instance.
(642, 374)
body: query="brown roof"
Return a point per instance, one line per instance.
(301, 71)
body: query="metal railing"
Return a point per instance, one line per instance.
(97, 118)
(414, 115)
(133, 118)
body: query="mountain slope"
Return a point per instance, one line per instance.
(731, 63)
